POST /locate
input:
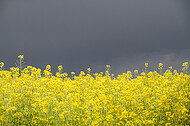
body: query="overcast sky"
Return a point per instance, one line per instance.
(92, 33)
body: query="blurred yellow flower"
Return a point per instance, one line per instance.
(170, 67)
(160, 64)
(21, 56)
(1, 64)
(136, 71)
(108, 66)
(88, 69)
(60, 67)
(48, 67)
(72, 73)
(146, 64)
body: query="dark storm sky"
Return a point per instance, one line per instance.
(92, 33)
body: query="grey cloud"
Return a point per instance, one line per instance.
(79, 34)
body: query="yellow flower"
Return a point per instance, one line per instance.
(21, 56)
(82, 73)
(108, 66)
(109, 116)
(72, 73)
(146, 64)
(160, 65)
(1, 64)
(60, 67)
(167, 124)
(136, 71)
(168, 113)
(170, 67)
(88, 69)
(48, 67)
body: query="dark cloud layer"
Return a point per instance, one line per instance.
(81, 34)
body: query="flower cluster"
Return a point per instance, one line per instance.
(36, 99)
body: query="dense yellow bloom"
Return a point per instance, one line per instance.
(148, 98)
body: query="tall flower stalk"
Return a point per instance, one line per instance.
(20, 63)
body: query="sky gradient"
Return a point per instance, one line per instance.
(81, 34)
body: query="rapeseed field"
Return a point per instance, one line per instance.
(31, 96)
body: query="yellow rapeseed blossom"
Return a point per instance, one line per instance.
(136, 71)
(72, 73)
(146, 64)
(1, 64)
(88, 69)
(160, 66)
(60, 67)
(21, 56)
(185, 67)
(170, 67)
(108, 66)
(146, 98)
(48, 67)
